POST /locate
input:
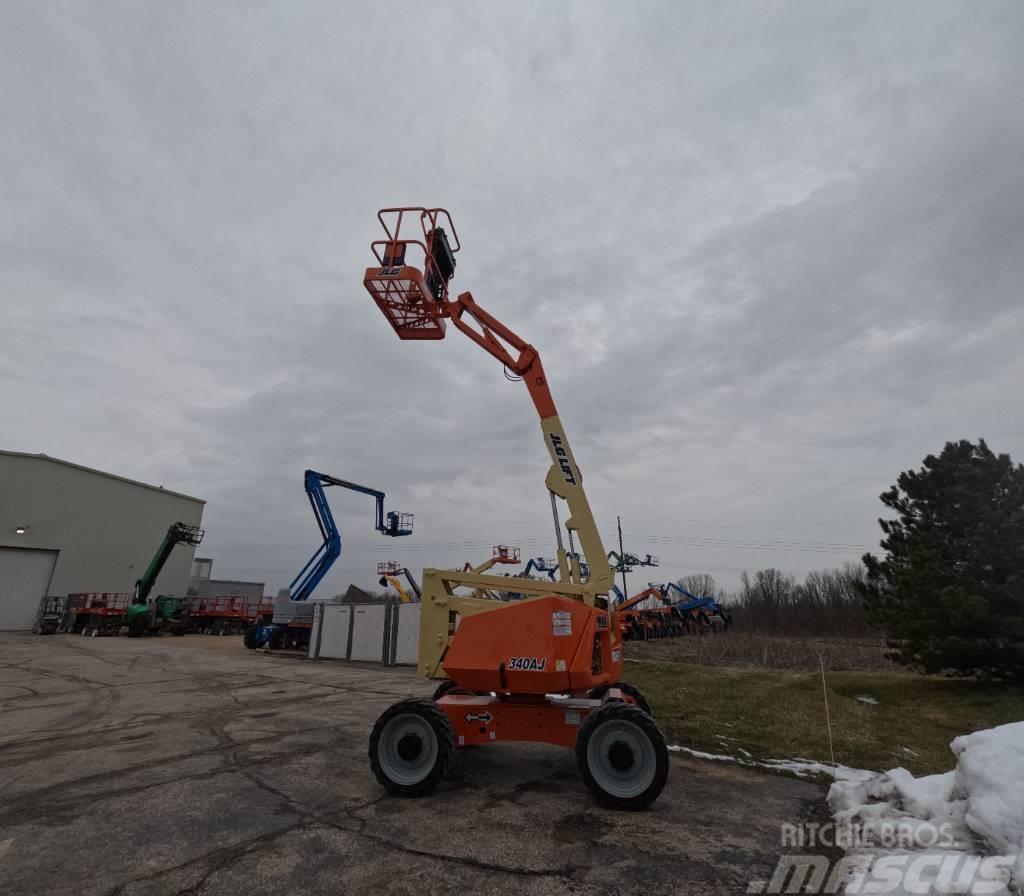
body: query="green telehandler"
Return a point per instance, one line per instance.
(164, 613)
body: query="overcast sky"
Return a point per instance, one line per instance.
(772, 254)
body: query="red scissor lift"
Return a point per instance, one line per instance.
(230, 614)
(222, 615)
(198, 613)
(96, 612)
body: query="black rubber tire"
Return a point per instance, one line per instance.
(277, 639)
(626, 689)
(645, 727)
(442, 730)
(249, 638)
(138, 626)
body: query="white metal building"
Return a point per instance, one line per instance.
(66, 529)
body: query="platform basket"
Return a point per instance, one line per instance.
(402, 294)
(399, 523)
(410, 282)
(502, 553)
(190, 535)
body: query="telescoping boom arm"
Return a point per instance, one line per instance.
(177, 533)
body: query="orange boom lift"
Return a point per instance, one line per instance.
(544, 668)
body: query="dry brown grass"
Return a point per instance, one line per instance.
(747, 650)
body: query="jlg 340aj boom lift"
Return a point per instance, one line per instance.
(546, 668)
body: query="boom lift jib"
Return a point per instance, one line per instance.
(545, 668)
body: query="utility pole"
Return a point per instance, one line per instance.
(622, 553)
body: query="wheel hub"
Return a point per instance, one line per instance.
(620, 756)
(409, 747)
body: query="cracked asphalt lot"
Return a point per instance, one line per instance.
(191, 765)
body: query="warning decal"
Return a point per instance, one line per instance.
(561, 623)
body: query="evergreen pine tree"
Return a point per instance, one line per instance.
(949, 592)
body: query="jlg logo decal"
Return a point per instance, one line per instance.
(563, 459)
(527, 663)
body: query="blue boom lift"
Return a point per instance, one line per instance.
(540, 564)
(280, 628)
(709, 609)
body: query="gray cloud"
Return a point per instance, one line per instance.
(771, 256)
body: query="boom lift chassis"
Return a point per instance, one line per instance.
(545, 668)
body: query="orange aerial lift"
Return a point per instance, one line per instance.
(544, 668)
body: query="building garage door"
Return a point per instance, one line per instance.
(24, 578)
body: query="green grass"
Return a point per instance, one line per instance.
(774, 714)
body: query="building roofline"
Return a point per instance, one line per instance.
(67, 463)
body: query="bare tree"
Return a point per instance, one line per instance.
(700, 583)
(826, 603)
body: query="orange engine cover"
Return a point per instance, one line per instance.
(546, 646)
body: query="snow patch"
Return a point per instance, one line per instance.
(974, 811)
(803, 768)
